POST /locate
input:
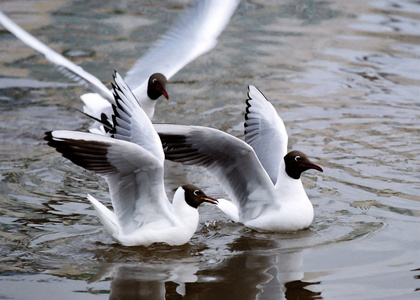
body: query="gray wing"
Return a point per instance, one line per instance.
(265, 132)
(195, 33)
(131, 122)
(231, 161)
(134, 176)
(68, 68)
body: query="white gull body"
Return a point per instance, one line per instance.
(193, 34)
(261, 179)
(134, 172)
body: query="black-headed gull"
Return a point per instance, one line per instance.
(142, 213)
(195, 33)
(262, 180)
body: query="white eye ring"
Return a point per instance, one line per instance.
(297, 158)
(196, 192)
(154, 80)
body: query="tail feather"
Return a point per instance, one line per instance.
(229, 209)
(108, 218)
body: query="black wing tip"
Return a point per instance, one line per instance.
(113, 84)
(250, 99)
(248, 106)
(247, 109)
(50, 139)
(108, 126)
(249, 91)
(117, 107)
(248, 103)
(56, 144)
(116, 90)
(88, 155)
(115, 87)
(48, 135)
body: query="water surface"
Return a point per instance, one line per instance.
(343, 75)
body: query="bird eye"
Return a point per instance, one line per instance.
(196, 192)
(154, 80)
(297, 158)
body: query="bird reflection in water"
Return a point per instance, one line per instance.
(257, 269)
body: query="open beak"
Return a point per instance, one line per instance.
(210, 200)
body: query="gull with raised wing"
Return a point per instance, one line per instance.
(193, 34)
(260, 177)
(142, 212)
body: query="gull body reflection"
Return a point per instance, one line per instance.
(261, 268)
(253, 266)
(148, 281)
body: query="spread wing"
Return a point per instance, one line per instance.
(131, 122)
(195, 33)
(265, 132)
(68, 68)
(230, 160)
(134, 176)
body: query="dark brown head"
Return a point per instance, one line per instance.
(195, 196)
(297, 163)
(156, 86)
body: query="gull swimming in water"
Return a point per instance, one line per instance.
(142, 212)
(260, 177)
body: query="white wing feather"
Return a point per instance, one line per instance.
(232, 162)
(67, 67)
(195, 33)
(134, 176)
(131, 122)
(265, 132)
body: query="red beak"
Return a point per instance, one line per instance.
(314, 166)
(164, 93)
